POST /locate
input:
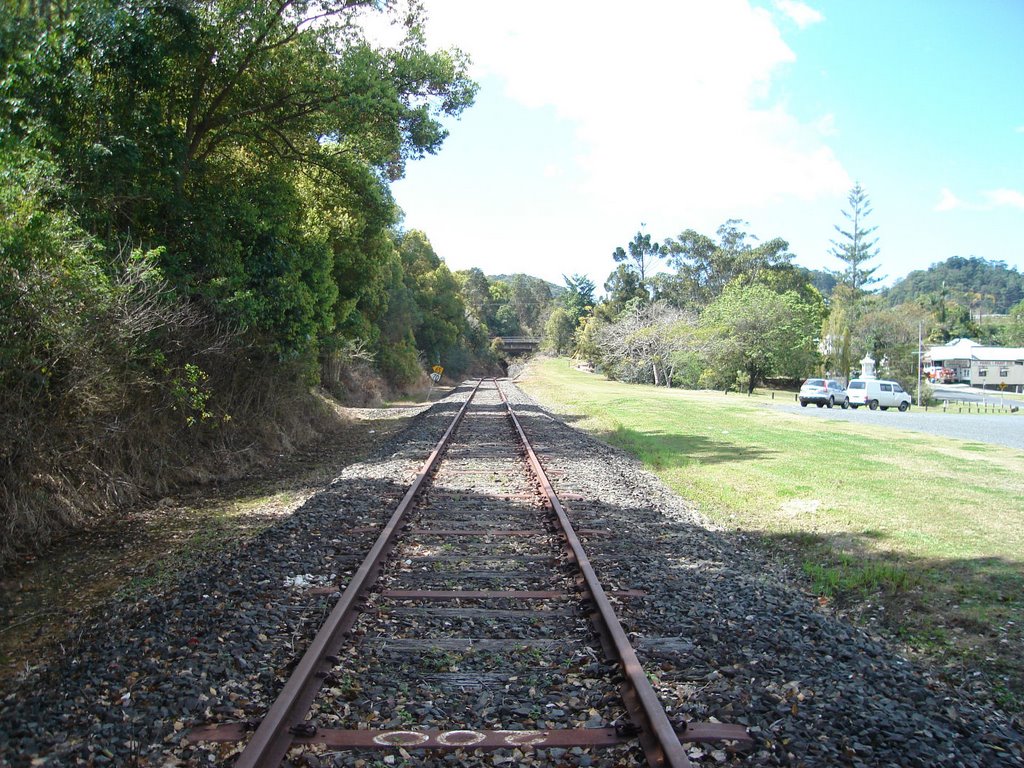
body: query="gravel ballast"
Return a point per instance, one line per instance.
(721, 635)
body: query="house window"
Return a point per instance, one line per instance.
(1004, 372)
(983, 371)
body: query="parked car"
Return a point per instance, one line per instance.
(878, 393)
(823, 392)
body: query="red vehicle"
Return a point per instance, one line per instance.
(941, 375)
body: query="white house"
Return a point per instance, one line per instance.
(980, 366)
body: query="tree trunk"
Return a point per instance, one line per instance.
(330, 368)
(844, 356)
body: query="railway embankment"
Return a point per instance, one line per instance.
(718, 630)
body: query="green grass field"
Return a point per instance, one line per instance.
(928, 528)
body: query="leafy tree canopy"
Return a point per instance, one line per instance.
(640, 255)
(531, 299)
(199, 125)
(578, 299)
(1013, 334)
(559, 330)
(622, 286)
(441, 314)
(705, 268)
(752, 332)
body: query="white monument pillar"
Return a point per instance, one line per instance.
(867, 367)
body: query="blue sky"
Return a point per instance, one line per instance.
(595, 118)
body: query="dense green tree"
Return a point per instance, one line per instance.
(505, 321)
(578, 298)
(954, 321)
(1013, 333)
(506, 305)
(192, 125)
(257, 264)
(443, 334)
(622, 287)
(577, 305)
(559, 331)
(824, 282)
(395, 351)
(353, 218)
(196, 212)
(856, 247)
(751, 332)
(532, 301)
(476, 293)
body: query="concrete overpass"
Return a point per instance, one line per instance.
(519, 345)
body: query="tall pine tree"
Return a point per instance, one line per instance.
(856, 247)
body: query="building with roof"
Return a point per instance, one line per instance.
(972, 363)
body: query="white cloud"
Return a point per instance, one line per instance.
(948, 201)
(800, 13)
(826, 125)
(995, 198)
(1010, 198)
(670, 101)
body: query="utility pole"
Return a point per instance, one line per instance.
(920, 330)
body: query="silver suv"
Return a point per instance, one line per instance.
(823, 392)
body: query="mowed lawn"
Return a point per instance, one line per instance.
(929, 530)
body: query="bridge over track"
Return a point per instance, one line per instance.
(519, 345)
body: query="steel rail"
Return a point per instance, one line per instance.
(276, 732)
(657, 735)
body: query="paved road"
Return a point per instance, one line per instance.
(1005, 430)
(965, 393)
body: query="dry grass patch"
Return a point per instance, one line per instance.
(143, 549)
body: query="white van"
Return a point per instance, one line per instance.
(877, 393)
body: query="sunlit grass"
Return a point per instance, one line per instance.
(760, 467)
(867, 508)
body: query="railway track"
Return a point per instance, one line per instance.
(477, 610)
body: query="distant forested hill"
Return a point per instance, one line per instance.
(824, 281)
(553, 288)
(987, 286)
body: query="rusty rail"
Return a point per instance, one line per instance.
(285, 724)
(657, 735)
(286, 716)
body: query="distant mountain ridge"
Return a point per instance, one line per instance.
(988, 286)
(556, 290)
